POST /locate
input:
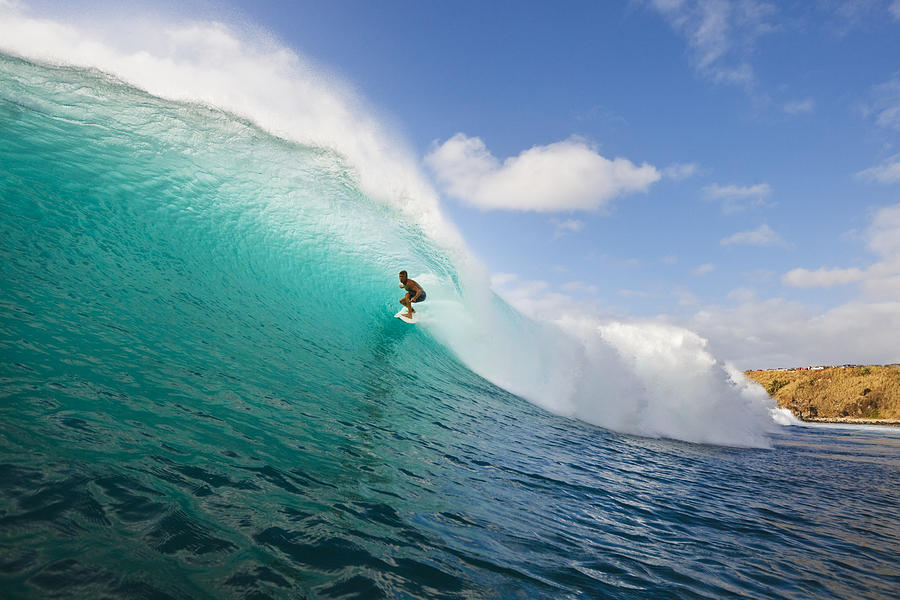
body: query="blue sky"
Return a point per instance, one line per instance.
(731, 166)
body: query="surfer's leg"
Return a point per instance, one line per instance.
(421, 297)
(405, 302)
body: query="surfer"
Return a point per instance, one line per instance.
(414, 293)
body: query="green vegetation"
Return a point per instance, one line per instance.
(776, 385)
(870, 392)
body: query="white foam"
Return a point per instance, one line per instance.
(684, 391)
(784, 416)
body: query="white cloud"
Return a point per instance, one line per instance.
(670, 259)
(805, 278)
(761, 333)
(776, 333)
(761, 236)
(742, 294)
(579, 287)
(567, 226)
(886, 172)
(680, 171)
(686, 298)
(885, 103)
(619, 263)
(881, 280)
(568, 175)
(735, 197)
(884, 233)
(548, 301)
(720, 33)
(704, 269)
(853, 14)
(633, 293)
(800, 107)
(719, 192)
(523, 292)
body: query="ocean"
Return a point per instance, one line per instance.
(203, 393)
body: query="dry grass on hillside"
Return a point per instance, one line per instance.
(871, 392)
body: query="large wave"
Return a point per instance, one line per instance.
(229, 170)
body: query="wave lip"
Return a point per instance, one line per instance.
(250, 75)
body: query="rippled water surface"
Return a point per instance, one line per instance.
(423, 494)
(178, 420)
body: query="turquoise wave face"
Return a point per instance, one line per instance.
(140, 229)
(203, 394)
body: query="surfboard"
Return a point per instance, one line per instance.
(403, 317)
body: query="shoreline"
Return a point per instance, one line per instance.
(851, 421)
(848, 394)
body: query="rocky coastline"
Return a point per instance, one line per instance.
(850, 394)
(852, 421)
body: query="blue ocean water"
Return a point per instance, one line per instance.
(203, 395)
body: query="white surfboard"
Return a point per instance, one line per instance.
(400, 315)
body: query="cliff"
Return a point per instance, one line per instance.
(835, 393)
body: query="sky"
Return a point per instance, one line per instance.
(729, 166)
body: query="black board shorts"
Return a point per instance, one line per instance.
(421, 297)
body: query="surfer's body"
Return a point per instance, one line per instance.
(414, 293)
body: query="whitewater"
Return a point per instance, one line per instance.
(204, 393)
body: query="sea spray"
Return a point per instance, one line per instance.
(687, 389)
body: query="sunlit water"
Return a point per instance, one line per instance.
(204, 396)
